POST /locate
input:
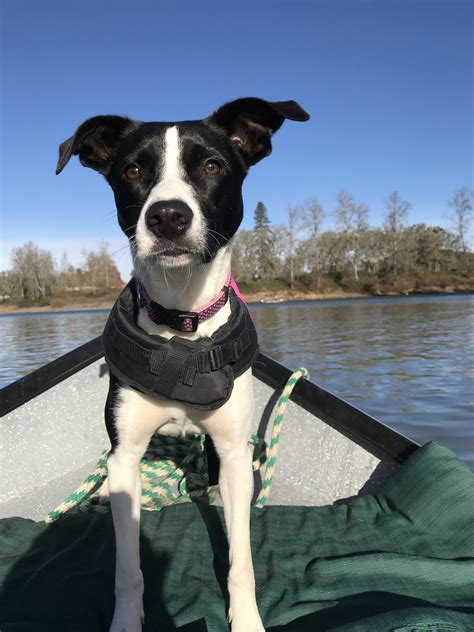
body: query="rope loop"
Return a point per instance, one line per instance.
(174, 470)
(272, 449)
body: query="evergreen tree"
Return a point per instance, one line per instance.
(264, 255)
(261, 221)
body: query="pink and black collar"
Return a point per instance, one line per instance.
(174, 318)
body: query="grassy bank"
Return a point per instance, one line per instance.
(309, 288)
(63, 302)
(270, 291)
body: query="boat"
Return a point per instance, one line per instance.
(271, 301)
(66, 397)
(344, 518)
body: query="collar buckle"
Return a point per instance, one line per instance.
(184, 321)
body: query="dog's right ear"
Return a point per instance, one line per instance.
(250, 124)
(94, 142)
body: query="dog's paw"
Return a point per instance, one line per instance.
(127, 620)
(245, 622)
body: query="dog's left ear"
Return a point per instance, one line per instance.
(250, 123)
(94, 142)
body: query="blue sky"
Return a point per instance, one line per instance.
(388, 85)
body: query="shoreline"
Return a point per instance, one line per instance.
(255, 298)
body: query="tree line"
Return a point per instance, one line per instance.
(35, 277)
(396, 256)
(352, 255)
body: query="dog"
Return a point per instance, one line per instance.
(178, 192)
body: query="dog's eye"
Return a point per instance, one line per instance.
(212, 168)
(132, 172)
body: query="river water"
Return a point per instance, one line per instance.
(407, 361)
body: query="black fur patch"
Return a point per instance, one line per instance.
(237, 135)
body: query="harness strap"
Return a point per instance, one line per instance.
(171, 369)
(199, 373)
(177, 363)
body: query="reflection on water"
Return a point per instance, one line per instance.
(31, 340)
(408, 361)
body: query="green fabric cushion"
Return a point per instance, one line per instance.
(399, 560)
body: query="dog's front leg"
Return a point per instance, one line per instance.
(125, 492)
(132, 419)
(230, 430)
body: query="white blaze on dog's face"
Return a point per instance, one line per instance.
(171, 213)
(178, 186)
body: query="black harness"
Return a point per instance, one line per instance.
(199, 373)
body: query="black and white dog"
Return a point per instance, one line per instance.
(177, 188)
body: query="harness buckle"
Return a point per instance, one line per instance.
(216, 358)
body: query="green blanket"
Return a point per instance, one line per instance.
(400, 560)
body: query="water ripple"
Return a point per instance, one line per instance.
(408, 361)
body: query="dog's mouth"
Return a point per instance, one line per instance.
(170, 253)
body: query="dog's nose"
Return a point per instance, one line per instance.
(168, 218)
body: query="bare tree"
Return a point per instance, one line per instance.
(332, 249)
(373, 250)
(461, 217)
(292, 227)
(281, 244)
(34, 269)
(352, 221)
(361, 214)
(8, 285)
(105, 261)
(68, 277)
(101, 271)
(431, 248)
(314, 216)
(396, 215)
(244, 261)
(90, 267)
(289, 238)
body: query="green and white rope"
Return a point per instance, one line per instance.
(174, 470)
(272, 451)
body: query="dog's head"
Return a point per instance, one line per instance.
(177, 186)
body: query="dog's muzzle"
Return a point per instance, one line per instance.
(168, 218)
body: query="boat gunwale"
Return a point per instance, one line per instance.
(368, 432)
(360, 427)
